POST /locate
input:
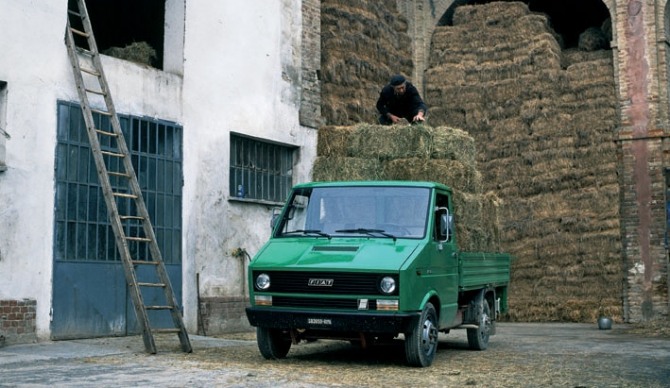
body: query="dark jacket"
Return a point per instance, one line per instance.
(407, 105)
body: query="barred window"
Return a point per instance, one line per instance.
(260, 171)
(82, 230)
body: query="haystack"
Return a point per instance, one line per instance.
(138, 52)
(543, 120)
(417, 152)
(363, 43)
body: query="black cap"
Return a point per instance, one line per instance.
(397, 80)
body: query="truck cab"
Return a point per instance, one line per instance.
(371, 261)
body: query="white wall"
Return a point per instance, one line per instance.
(238, 75)
(236, 78)
(34, 65)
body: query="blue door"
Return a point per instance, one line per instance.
(90, 296)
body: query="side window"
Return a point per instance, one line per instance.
(3, 125)
(260, 170)
(439, 233)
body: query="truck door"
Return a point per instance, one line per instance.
(445, 258)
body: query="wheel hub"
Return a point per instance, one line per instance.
(428, 336)
(485, 325)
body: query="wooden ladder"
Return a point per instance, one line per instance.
(92, 84)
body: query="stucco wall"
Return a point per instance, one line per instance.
(245, 80)
(34, 65)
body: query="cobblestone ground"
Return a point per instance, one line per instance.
(521, 355)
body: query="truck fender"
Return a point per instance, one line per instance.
(433, 297)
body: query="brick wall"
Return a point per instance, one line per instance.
(220, 315)
(642, 140)
(17, 321)
(310, 103)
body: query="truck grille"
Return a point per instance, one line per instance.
(349, 304)
(328, 283)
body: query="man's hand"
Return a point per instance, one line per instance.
(418, 117)
(394, 119)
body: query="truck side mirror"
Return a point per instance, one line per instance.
(445, 223)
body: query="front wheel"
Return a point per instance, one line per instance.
(421, 341)
(478, 339)
(271, 343)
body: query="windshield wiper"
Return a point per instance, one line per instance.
(308, 231)
(369, 232)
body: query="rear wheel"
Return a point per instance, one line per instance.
(478, 339)
(421, 341)
(272, 344)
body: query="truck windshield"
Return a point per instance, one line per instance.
(374, 212)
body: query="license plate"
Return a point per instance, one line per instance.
(319, 321)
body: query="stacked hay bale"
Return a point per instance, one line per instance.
(417, 152)
(543, 120)
(363, 43)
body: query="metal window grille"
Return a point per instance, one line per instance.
(82, 230)
(260, 170)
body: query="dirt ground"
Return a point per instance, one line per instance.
(520, 355)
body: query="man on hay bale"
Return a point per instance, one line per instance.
(400, 100)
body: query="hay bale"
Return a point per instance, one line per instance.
(139, 52)
(453, 173)
(388, 142)
(593, 39)
(346, 168)
(415, 141)
(494, 13)
(333, 140)
(358, 40)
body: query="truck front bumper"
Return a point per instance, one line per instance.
(368, 322)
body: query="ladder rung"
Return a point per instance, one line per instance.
(100, 131)
(85, 51)
(89, 71)
(114, 154)
(125, 195)
(98, 92)
(166, 331)
(151, 284)
(140, 239)
(131, 218)
(80, 33)
(102, 112)
(144, 262)
(119, 174)
(71, 12)
(158, 307)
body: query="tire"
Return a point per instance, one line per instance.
(271, 343)
(478, 339)
(421, 341)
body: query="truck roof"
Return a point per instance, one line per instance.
(375, 183)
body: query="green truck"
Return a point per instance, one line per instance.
(372, 261)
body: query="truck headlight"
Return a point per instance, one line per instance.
(263, 281)
(387, 285)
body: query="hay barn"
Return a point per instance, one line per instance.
(546, 90)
